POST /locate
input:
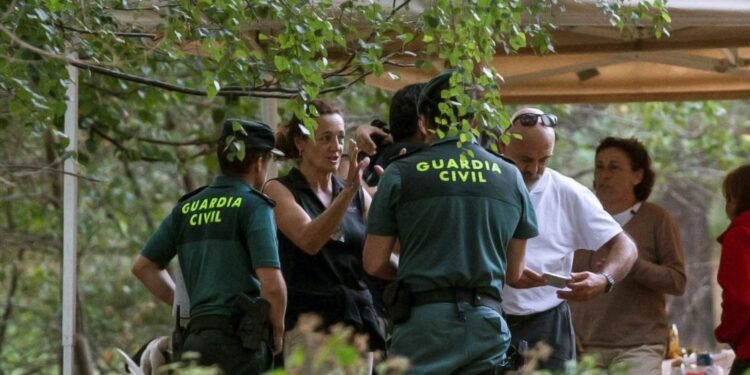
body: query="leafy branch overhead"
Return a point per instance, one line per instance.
(287, 49)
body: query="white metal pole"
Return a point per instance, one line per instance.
(270, 115)
(70, 221)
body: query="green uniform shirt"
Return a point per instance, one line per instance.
(221, 234)
(453, 216)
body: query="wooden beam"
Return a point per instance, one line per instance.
(574, 68)
(687, 60)
(663, 96)
(731, 54)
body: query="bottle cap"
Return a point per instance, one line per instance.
(704, 359)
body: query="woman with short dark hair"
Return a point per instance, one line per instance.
(629, 325)
(321, 223)
(734, 270)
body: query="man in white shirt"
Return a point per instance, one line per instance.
(569, 217)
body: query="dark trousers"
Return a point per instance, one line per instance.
(554, 327)
(740, 366)
(222, 347)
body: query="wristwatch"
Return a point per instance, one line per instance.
(610, 281)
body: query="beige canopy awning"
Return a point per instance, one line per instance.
(705, 57)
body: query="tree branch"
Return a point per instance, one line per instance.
(15, 39)
(9, 11)
(138, 193)
(346, 85)
(133, 78)
(41, 168)
(119, 145)
(115, 93)
(194, 142)
(115, 33)
(400, 65)
(237, 91)
(176, 88)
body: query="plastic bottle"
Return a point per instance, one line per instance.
(674, 350)
(704, 365)
(677, 367)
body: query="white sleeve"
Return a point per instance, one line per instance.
(593, 227)
(181, 298)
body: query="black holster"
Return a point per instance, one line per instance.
(253, 326)
(178, 336)
(514, 357)
(397, 299)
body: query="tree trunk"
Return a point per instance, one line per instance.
(85, 363)
(142, 202)
(693, 312)
(15, 273)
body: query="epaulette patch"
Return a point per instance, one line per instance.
(266, 198)
(509, 160)
(406, 154)
(501, 156)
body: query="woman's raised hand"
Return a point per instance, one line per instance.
(354, 177)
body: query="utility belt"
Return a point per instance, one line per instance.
(224, 323)
(399, 300)
(471, 296)
(515, 320)
(250, 323)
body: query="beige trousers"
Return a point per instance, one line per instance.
(639, 360)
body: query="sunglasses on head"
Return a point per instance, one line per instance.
(531, 119)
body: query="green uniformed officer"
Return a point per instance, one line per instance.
(462, 219)
(225, 238)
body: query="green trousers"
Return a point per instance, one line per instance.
(452, 338)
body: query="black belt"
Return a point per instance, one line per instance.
(514, 320)
(218, 322)
(452, 295)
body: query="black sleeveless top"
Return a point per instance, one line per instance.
(331, 283)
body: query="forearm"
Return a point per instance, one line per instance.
(159, 283)
(669, 279)
(377, 257)
(314, 235)
(277, 300)
(515, 261)
(389, 270)
(273, 290)
(622, 256)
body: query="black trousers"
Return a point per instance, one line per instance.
(554, 327)
(223, 347)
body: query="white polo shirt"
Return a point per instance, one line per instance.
(569, 217)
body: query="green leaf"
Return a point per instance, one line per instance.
(212, 89)
(281, 62)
